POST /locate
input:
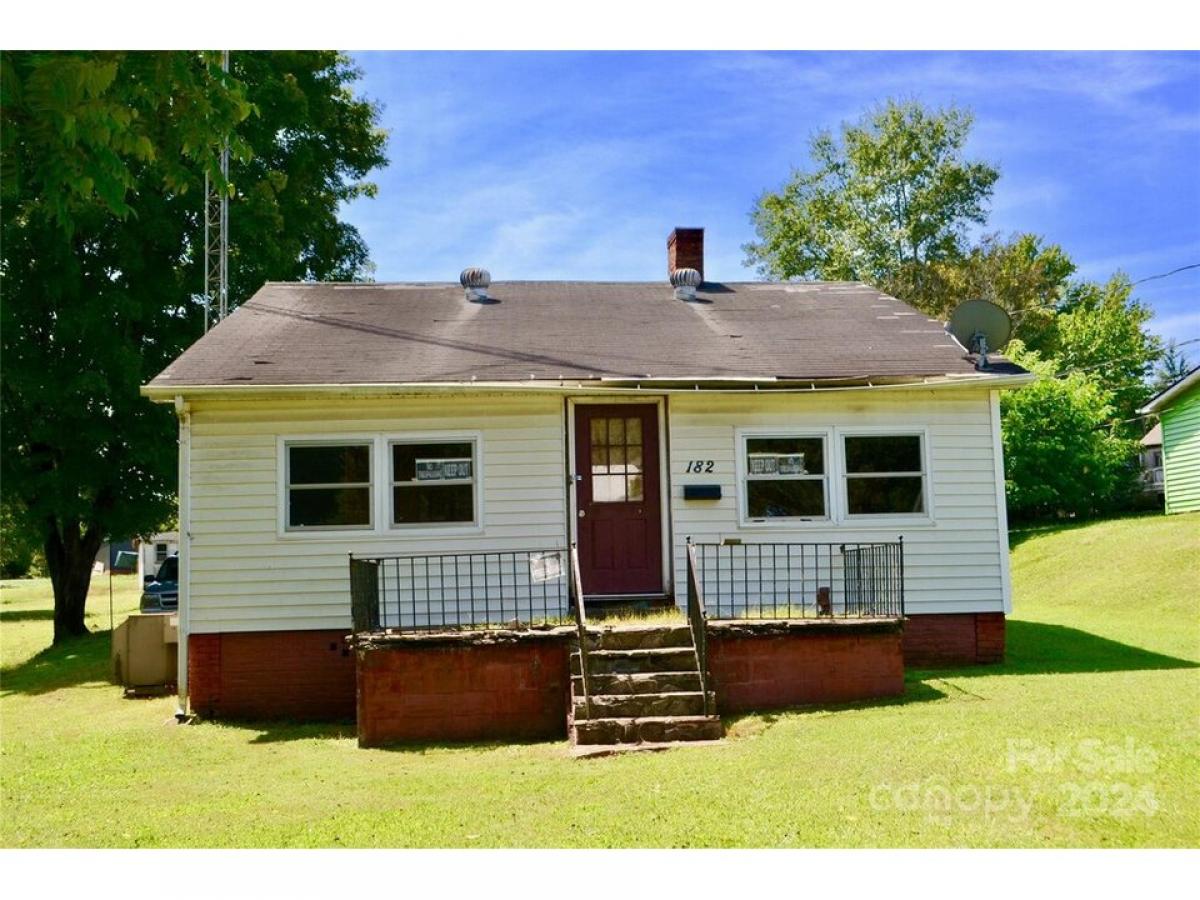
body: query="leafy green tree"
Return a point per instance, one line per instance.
(104, 155)
(1102, 330)
(18, 552)
(1062, 457)
(1171, 367)
(1022, 274)
(894, 190)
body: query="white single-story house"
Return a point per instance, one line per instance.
(320, 421)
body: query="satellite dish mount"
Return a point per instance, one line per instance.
(980, 327)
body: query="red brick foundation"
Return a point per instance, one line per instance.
(954, 639)
(462, 688)
(297, 675)
(760, 667)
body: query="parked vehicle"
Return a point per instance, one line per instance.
(160, 592)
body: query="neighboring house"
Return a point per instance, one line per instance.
(1151, 459)
(154, 550)
(322, 420)
(1178, 411)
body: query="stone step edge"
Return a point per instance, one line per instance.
(637, 651)
(579, 697)
(595, 751)
(630, 720)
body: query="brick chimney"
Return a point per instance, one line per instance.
(685, 250)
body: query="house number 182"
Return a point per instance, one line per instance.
(699, 465)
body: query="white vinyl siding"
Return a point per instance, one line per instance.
(248, 576)
(954, 556)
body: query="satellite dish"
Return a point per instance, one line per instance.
(981, 326)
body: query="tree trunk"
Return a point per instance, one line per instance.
(70, 555)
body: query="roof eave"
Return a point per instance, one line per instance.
(161, 393)
(1168, 396)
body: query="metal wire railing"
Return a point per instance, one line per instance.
(772, 580)
(450, 591)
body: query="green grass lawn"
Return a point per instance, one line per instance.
(1102, 676)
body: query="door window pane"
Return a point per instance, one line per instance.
(633, 488)
(616, 432)
(617, 459)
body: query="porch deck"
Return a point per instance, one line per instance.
(525, 661)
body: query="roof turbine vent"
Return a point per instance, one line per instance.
(685, 282)
(475, 282)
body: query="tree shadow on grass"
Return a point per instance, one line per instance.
(71, 663)
(752, 723)
(1039, 648)
(272, 732)
(1022, 533)
(1034, 648)
(26, 615)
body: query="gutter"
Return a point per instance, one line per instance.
(1166, 397)
(167, 394)
(183, 606)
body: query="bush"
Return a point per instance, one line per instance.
(19, 556)
(1062, 456)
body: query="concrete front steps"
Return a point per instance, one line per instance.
(645, 691)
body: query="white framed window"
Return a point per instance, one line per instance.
(885, 473)
(434, 481)
(328, 485)
(784, 477)
(160, 553)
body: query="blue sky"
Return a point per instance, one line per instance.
(577, 165)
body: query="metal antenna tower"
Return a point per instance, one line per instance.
(216, 234)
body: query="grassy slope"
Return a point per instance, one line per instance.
(1103, 645)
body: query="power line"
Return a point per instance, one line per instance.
(1166, 274)
(1056, 303)
(1112, 360)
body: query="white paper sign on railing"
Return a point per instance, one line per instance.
(545, 567)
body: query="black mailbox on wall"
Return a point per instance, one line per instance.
(701, 492)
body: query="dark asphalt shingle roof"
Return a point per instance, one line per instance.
(297, 334)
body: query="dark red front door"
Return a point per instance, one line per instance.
(619, 508)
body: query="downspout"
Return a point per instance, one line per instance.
(183, 607)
